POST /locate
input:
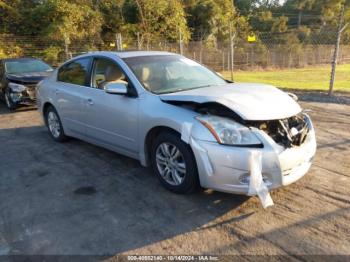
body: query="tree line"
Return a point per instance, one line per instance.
(150, 21)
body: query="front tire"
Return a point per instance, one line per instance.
(174, 163)
(54, 125)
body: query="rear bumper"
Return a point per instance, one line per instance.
(230, 165)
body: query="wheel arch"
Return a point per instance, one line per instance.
(149, 138)
(46, 106)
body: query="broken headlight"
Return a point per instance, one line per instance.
(17, 87)
(229, 132)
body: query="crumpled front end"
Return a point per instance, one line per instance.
(289, 146)
(24, 95)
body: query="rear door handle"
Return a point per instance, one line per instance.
(57, 91)
(89, 101)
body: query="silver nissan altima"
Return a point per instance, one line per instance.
(192, 126)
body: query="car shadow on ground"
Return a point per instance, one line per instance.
(76, 198)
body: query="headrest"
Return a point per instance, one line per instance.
(112, 74)
(145, 74)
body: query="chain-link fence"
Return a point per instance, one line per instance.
(285, 50)
(288, 50)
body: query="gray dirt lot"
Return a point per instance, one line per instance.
(75, 198)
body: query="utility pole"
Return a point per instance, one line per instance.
(232, 45)
(299, 17)
(138, 41)
(180, 42)
(66, 45)
(66, 48)
(119, 42)
(201, 45)
(341, 28)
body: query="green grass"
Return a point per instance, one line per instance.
(310, 78)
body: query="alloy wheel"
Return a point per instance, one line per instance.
(54, 124)
(170, 163)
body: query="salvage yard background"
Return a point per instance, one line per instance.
(78, 199)
(304, 65)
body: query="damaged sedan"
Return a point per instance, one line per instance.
(193, 127)
(18, 80)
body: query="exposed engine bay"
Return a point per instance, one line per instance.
(285, 132)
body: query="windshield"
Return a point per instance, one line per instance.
(171, 73)
(26, 66)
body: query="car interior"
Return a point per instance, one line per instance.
(106, 72)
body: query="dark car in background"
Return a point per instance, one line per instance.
(18, 80)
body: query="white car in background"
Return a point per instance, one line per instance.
(192, 126)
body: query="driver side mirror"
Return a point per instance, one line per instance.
(116, 88)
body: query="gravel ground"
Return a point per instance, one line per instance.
(75, 198)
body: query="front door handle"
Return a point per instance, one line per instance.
(89, 101)
(57, 91)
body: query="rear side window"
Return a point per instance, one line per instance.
(75, 72)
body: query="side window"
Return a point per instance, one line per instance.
(106, 71)
(75, 72)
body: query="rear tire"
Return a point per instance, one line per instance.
(54, 125)
(174, 163)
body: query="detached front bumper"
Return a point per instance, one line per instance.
(230, 170)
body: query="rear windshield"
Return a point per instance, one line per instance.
(26, 66)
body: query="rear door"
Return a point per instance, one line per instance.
(70, 92)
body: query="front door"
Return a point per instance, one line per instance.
(112, 118)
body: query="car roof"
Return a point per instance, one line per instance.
(127, 54)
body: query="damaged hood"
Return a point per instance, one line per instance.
(28, 78)
(250, 101)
